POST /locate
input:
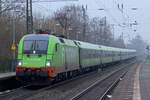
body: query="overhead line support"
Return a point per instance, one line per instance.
(29, 17)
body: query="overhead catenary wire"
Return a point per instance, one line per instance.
(108, 12)
(39, 1)
(124, 15)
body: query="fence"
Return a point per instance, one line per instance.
(7, 65)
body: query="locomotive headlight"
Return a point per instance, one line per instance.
(48, 63)
(19, 62)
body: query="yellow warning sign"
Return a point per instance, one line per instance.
(13, 47)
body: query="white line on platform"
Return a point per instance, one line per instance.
(136, 91)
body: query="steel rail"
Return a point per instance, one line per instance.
(24, 96)
(108, 91)
(80, 94)
(7, 92)
(112, 86)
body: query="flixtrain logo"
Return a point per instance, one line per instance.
(33, 59)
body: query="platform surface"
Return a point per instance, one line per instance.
(125, 88)
(144, 79)
(7, 75)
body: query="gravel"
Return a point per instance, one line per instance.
(66, 91)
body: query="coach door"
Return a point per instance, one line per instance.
(65, 58)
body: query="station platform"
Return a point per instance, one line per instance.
(136, 83)
(144, 80)
(7, 75)
(6, 80)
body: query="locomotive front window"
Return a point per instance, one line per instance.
(28, 46)
(35, 46)
(41, 46)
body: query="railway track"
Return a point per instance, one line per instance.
(101, 89)
(24, 92)
(7, 92)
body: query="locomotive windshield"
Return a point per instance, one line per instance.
(28, 45)
(35, 46)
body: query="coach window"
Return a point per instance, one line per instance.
(83, 52)
(86, 53)
(106, 53)
(102, 54)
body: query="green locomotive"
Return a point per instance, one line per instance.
(48, 57)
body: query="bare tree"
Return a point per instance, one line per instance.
(12, 20)
(138, 44)
(119, 42)
(71, 20)
(99, 32)
(9, 5)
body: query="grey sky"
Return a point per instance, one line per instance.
(112, 13)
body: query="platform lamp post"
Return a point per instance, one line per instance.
(13, 47)
(135, 22)
(103, 23)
